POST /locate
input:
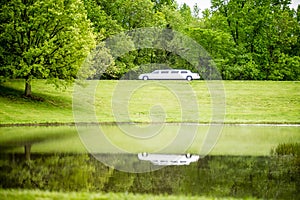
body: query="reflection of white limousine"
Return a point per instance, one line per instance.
(168, 159)
(169, 74)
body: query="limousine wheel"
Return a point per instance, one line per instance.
(145, 78)
(189, 78)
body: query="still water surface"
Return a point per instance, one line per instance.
(239, 165)
(232, 140)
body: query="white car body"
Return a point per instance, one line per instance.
(168, 159)
(170, 74)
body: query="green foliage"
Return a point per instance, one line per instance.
(287, 149)
(244, 69)
(68, 173)
(138, 14)
(248, 40)
(266, 32)
(288, 153)
(219, 45)
(287, 68)
(44, 39)
(103, 24)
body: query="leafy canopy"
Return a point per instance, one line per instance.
(43, 39)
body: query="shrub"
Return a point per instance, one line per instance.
(287, 149)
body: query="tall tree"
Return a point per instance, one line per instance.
(45, 39)
(130, 15)
(264, 31)
(103, 24)
(158, 4)
(296, 47)
(218, 44)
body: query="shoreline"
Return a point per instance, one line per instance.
(54, 124)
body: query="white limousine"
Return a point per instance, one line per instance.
(170, 74)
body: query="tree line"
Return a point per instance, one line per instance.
(246, 39)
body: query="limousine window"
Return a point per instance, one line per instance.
(155, 72)
(164, 72)
(184, 72)
(174, 72)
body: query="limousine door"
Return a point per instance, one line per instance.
(175, 75)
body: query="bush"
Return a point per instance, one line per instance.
(287, 149)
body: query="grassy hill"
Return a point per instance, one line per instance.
(246, 102)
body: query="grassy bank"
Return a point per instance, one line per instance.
(37, 194)
(246, 102)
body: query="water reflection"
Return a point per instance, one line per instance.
(216, 176)
(235, 140)
(241, 164)
(168, 159)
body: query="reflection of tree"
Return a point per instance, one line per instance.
(27, 148)
(10, 145)
(217, 176)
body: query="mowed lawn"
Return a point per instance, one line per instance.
(148, 101)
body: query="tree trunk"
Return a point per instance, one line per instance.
(27, 88)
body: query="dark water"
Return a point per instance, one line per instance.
(275, 176)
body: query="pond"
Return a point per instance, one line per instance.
(244, 161)
(252, 140)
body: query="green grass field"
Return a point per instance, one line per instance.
(246, 102)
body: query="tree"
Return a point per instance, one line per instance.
(112, 16)
(296, 47)
(43, 39)
(262, 31)
(186, 13)
(103, 24)
(158, 4)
